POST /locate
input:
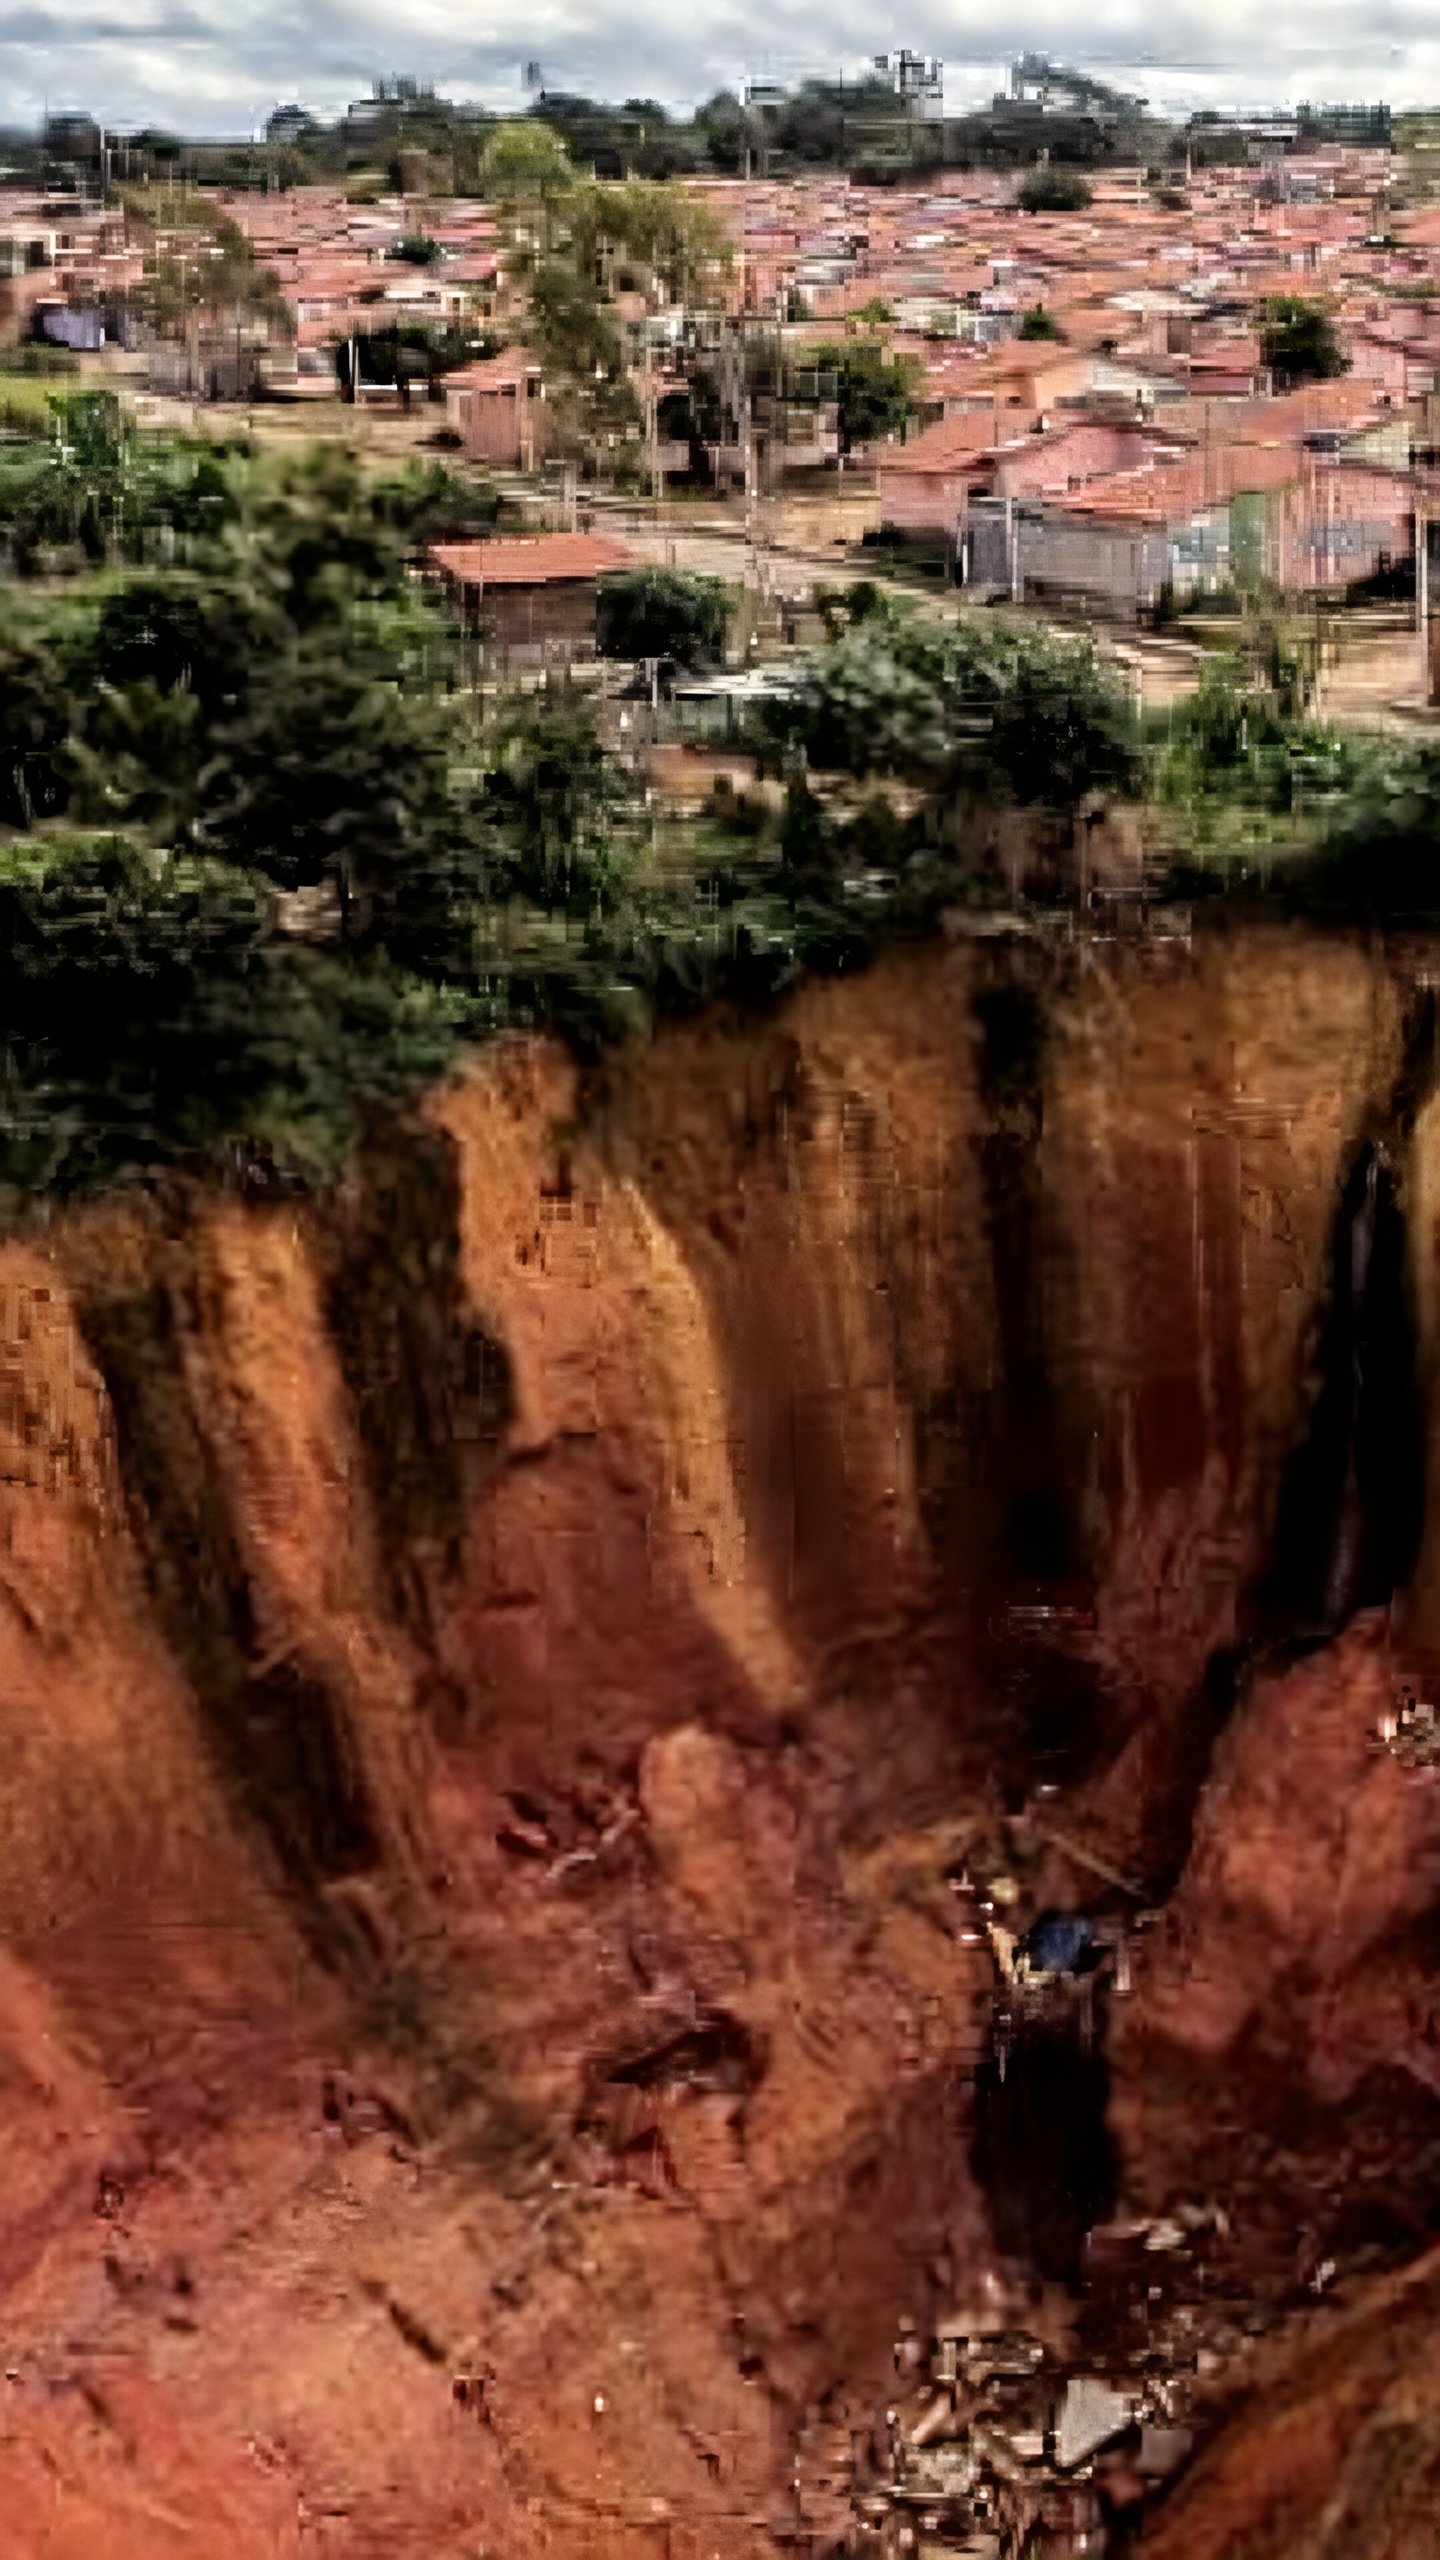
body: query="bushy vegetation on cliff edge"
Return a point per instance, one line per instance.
(267, 860)
(1266, 808)
(266, 863)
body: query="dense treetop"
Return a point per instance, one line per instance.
(268, 858)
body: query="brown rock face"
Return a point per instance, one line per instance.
(1281, 2046)
(1332, 2445)
(501, 1668)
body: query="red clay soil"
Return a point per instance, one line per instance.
(485, 2024)
(1281, 2044)
(1328, 2444)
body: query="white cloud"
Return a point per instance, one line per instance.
(198, 66)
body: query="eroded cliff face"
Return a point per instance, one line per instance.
(500, 1668)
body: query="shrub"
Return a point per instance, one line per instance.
(1054, 191)
(665, 614)
(1298, 341)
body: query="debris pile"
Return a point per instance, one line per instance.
(1411, 1731)
(997, 2454)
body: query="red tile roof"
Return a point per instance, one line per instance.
(509, 371)
(529, 560)
(952, 442)
(1167, 492)
(1281, 419)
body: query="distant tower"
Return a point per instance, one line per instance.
(919, 80)
(763, 100)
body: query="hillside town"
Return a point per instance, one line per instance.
(1127, 395)
(720, 1257)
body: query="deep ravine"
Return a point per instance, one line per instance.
(520, 1677)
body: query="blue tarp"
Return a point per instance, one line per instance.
(1060, 1942)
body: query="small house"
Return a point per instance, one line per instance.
(498, 410)
(530, 597)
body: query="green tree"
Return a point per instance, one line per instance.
(91, 427)
(525, 162)
(876, 392)
(179, 630)
(140, 1015)
(664, 614)
(806, 844)
(35, 762)
(264, 862)
(1298, 341)
(1377, 854)
(407, 351)
(726, 131)
(550, 797)
(332, 775)
(95, 491)
(575, 332)
(1040, 323)
(138, 757)
(588, 240)
(198, 260)
(429, 502)
(308, 538)
(155, 1014)
(668, 236)
(971, 705)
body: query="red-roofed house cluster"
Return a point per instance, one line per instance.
(1098, 424)
(1095, 418)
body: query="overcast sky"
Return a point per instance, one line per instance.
(219, 66)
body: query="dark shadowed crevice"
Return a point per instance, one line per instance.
(431, 1389)
(276, 1736)
(1012, 1048)
(1349, 1516)
(1034, 1467)
(1056, 1723)
(1041, 2151)
(1028, 1556)
(1352, 1502)
(1351, 1505)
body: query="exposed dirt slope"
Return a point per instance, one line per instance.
(496, 1674)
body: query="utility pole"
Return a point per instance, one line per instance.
(747, 441)
(743, 417)
(780, 421)
(652, 426)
